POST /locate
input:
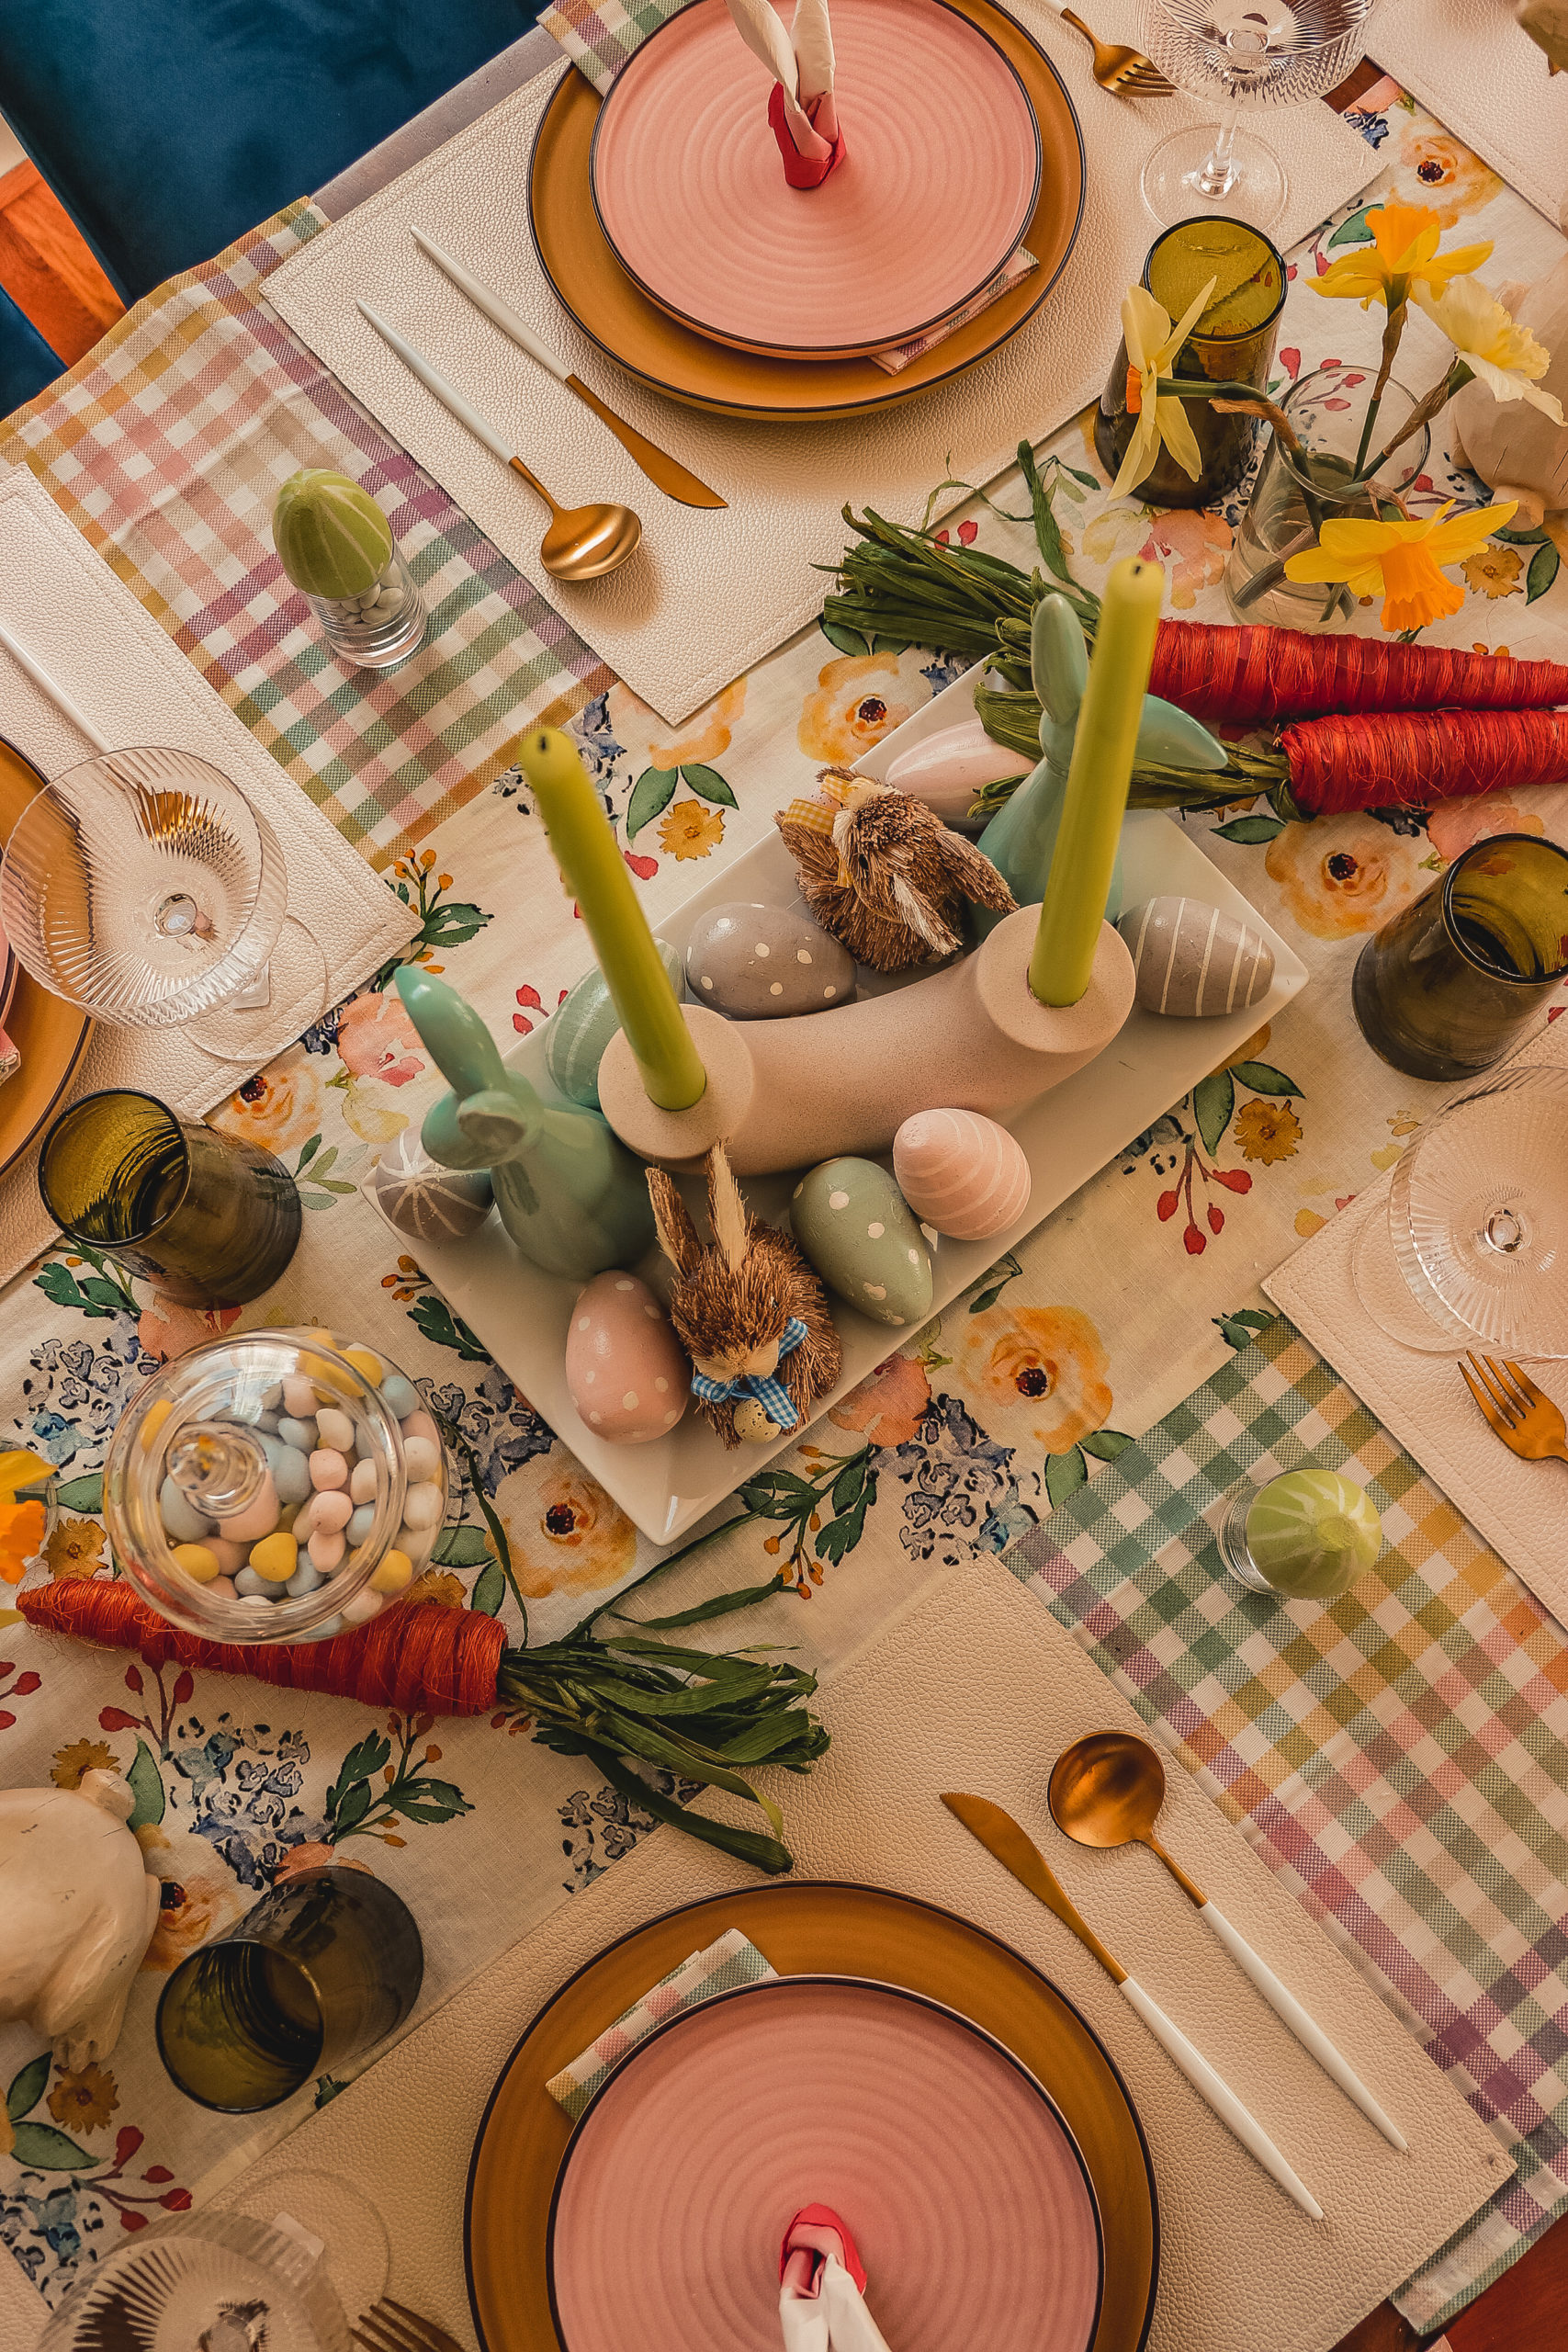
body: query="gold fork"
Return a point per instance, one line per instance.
(1125, 72)
(1524, 1415)
(392, 2328)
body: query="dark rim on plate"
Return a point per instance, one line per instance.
(782, 1891)
(889, 393)
(10, 1156)
(805, 351)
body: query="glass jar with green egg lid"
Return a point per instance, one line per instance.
(1233, 343)
(274, 1487)
(1307, 1536)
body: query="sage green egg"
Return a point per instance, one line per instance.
(854, 1225)
(577, 1034)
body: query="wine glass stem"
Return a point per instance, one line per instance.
(1221, 171)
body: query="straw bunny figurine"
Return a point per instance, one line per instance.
(882, 872)
(1020, 840)
(748, 1310)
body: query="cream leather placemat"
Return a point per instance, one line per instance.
(1471, 66)
(1518, 1507)
(126, 674)
(976, 1686)
(710, 593)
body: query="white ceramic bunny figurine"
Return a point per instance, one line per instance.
(79, 1909)
(1518, 452)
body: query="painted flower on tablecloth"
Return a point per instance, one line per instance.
(376, 1038)
(200, 1894)
(1197, 544)
(690, 830)
(1494, 572)
(279, 1106)
(568, 1535)
(708, 737)
(84, 2102)
(1431, 167)
(1343, 874)
(1044, 1365)
(166, 1330)
(438, 1586)
(1454, 826)
(890, 1404)
(1267, 1131)
(315, 1856)
(81, 1757)
(74, 1548)
(852, 709)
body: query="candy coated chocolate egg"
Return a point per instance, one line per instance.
(182, 1523)
(761, 962)
(360, 1523)
(392, 1572)
(580, 1029)
(425, 1201)
(330, 1509)
(305, 1580)
(362, 1483)
(370, 1367)
(419, 1425)
(948, 769)
(328, 1468)
(326, 1549)
(300, 1397)
(258, 1518)
(961, 1172)
(198, 1561)
(229, 1556)
(224, 1588)
(400, 1396)
(421, 1459)
(424, 1505)
(362, 1607)
(334, 1429)
(1194, 959)
(275, 1558)
(301, 1435)
(290, 1473)
(854, 1225)
(626, 1370)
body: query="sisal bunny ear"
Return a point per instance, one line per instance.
(677, 1234)
(727, 1210)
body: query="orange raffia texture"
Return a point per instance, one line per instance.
(1250, 677)
(1410, 758)
(420, 1659)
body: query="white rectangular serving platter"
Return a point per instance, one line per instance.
(522, 1313)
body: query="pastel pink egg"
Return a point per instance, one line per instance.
(419, 1425)
(230, 1556)
(222, 1586)
(328, 1468)
(961, 1173)
(258, 1518)
(326, 1548)
(626, 1373)
(329, 1510)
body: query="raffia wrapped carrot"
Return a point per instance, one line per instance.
(1412, 759)
(1252, 677)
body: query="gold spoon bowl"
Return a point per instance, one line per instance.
(1107, 1790)
(583, 542)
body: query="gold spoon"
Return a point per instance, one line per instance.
(1106, 1790)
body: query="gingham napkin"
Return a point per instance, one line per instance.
(732, 1959)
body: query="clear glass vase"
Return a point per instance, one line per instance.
(384, 626)
(1299, 488)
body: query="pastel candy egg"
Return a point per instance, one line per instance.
(299, 1397)
(301, 1435)
(272, 1397)
(275, 1558)
(335, 1428)
(328, 1468)
(227, 1555)
(1194, 959)
(762, 963)
(181, 1522)
(362, 1607)
(249, 1586)
(415, 1542)
(854, 1225)
(359, 1525)
(580, 1029)
(291, 1474)
(330, 1509)
(370, 1367)
(421, 1459)
(392, 1573)
(626, 1370)
(961, 1172)
(305, 1580)
(362, 1482)
(199, 1562)
(258, 1518)
(423, 1506)
(425, 1201)
(419, 1424)
(224, 1588)
(327, 1548)
(400, 1396)
(949, 768)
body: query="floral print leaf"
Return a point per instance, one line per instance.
(778, 1493)
(1543, 570)
(1525, 538)
(308, 1152)
(1064, 1472)
(651, 795)
(1251, 829)
(450, 925)
(1262, 1078)
(1005, 1270)
(349, 1799)
(841, 1534)
(147, 1783)
(489, 1590)
(82, 1494)
(1213, 1099)
(1353, 232)
(1240, 1329)
(41, 2145)
(1106, 1444)
(93, 1298)
(847, 640)
(461, 1547)
(720, 1605)
(27, 2088)
(436, 1320)
(429, 1801)
(708, 785)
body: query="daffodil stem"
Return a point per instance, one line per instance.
(1393, 330)
(1459, 375)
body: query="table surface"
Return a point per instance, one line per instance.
(164, 447)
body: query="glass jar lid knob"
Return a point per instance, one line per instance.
(219, 1467)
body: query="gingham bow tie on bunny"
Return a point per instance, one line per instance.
(771, 1394)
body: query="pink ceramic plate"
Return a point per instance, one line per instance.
(939, 181)
(949, 2163)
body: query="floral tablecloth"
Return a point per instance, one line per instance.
(166, 449)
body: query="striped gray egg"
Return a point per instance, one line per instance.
(1193, 959)
(577, 1032)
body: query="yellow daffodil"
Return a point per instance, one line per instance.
(1152, 346)
(1400, 561)
(1504, 356)
(1402, 256)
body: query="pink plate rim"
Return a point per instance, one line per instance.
(764, 1986)
(823, 351)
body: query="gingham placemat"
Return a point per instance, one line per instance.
(1400, 1757)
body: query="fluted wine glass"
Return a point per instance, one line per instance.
(1245, 53)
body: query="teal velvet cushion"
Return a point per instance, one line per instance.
(26, 363)
(167, 128)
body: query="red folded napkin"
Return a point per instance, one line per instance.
(822, 2288)
(802, 113)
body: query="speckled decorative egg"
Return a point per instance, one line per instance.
(951, 767)
(1194, 959)
(759, 963)
(961, 1173)
(425, 1201)
(854, 1225)
(626, 1370)
(579, 1030)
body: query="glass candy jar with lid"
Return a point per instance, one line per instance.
(273, 1487)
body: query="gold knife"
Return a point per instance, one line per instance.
(670, 476)
(1016, 1850)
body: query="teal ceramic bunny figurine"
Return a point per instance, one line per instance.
(571, 1196)
(1020, 838)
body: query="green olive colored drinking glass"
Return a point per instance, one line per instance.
(318, 1972)
(211, 1220)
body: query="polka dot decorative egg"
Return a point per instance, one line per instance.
(761, 962)
(854, 1225)
(961, 1173)
(1193, 959)
(626, 1370)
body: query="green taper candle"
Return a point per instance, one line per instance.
(1101, 770)
(594, 872)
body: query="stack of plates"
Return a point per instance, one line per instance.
(945, 2098)
(695, 264)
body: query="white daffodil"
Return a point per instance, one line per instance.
(1503, 355)
(1152, 346)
